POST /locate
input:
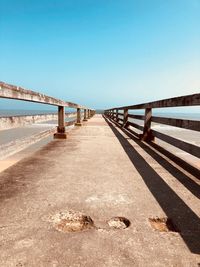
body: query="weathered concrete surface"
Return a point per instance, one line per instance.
(18, 93)
(102, 173)
(13, 159)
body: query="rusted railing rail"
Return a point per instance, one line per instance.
(18, 93)
(148, 134)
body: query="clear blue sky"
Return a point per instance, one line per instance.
(101, 53)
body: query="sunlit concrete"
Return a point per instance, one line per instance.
(102, 173)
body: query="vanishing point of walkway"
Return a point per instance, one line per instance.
(99, 171)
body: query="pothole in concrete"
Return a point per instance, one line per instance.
(163, 224)
(71, 221)
(119, 223)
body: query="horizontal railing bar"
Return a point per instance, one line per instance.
(187, 147)
(188, 100)
(134, 116)
(120, 119)
(181, 123)
(120, 114)
(18, 93)
(136, 125)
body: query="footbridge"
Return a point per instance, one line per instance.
(114, 190)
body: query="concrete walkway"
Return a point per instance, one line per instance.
(102, 173)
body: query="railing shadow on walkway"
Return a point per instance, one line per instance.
(187, 222)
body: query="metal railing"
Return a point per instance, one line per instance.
(149, 134)
(18, 93)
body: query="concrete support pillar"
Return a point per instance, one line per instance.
(85, 115)
(125, 117)
(61, 134)
(147, 134)
(78, 119)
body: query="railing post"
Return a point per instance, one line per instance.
(61, 134)
(117, 115)
(112, 116)
(78, 119)
(147, 134)
(125, 117)
(85, 115)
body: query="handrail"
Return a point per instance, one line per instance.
(147, 133)
(18, 93)
(181, 123)
(187, 100)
